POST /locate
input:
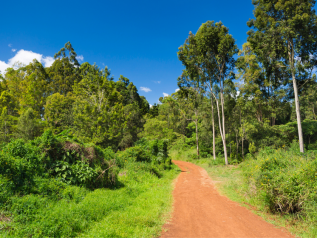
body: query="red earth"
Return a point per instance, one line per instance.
(200, 211)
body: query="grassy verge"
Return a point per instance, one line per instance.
(248, 184)
(138, 209)
(144, 209)
(56, 186)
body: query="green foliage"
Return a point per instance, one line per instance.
(150, 155)
(47, 187)
(284, 180)
(98, 111)
(58, 112)
(157, 129)
(51, 156)
(28, 126)
(252, 148)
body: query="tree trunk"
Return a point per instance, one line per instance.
(197, 142)
(242, 149)
(223, 128)
(299, 123)
(237, 141)
(213, 130)
(220, 127)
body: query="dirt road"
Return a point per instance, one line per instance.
(200, 211)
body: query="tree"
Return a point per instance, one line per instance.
(28, 126)
(64, 72)
(8, 117)
(135, 107)
(190, 100)
(287, 31)
(198, 67)
(98, 110)
(59, 112)
(208, 56)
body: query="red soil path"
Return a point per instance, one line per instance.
(200, 211)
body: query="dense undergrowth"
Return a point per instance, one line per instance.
(281, 182)
(57, 186)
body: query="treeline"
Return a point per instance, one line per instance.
(83, 99)
(232, 102)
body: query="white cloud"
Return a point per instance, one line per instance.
(25, 57)
(176, 90)
(145, 89)
(157, 82)
(14, 50)
(151, 105)
(80, 58)
(165, 94)
(3, 66)
(10, 45)
(48, 61)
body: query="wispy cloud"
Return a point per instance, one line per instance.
(48, 61)
(10, 45)
(145, 89)
(165, 94)
(14, 50)
(80, 58)
(157, 82)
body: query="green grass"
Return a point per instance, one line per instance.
(138, 209)
(233, 181)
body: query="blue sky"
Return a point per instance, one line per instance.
(136, 39)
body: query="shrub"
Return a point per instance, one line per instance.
(58, 157)
(283, 179)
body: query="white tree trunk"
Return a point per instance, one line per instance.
(223, 128)
(197, 139)
(291, 54)
(213, 131)
(220, 128)
(299, 122)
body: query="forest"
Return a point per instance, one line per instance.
(70, 130)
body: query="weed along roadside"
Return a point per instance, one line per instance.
(46, 196)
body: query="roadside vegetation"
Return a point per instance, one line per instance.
(57, 186)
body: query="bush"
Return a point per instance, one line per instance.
(146, 155)
(57, 157)
(283, 179)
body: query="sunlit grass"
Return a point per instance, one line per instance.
(138, 209)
